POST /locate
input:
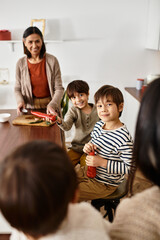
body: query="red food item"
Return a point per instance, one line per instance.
(53, 118)
(91, 171)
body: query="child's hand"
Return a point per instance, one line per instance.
(59, 120)
(96, 161)
(89, 147)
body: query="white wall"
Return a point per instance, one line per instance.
(107, 47)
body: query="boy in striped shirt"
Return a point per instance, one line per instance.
(112, 144)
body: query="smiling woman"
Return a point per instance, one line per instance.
(38, 76)
(33, 46)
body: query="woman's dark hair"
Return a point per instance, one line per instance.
(108, 90)
(37, 182)
(79, 86)
(28, 32)
(146, 151)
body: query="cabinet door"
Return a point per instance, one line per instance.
(153, 31)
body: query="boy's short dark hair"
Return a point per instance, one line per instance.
(79, 86)
(108, 90)
(37, 182)
(28, 32)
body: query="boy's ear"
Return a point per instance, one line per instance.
(88, 95)
(121, 107)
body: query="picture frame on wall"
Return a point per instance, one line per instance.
(4, 75)
(39, 23)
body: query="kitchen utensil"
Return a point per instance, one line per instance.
(4, 117)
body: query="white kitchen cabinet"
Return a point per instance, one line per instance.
(153, 31)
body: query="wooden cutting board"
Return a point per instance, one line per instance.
(26, 119)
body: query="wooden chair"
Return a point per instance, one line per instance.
(111, 202)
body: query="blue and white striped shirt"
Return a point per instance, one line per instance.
(116, 147)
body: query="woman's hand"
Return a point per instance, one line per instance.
(89, 147)
(20, 107)
(50, 110)
(96, 161)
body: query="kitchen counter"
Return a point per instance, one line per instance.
(132, 103)
(137, 94)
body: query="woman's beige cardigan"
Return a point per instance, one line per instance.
(23, 88)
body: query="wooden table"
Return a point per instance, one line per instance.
(12, 136)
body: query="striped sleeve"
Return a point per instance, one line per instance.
(123, 165)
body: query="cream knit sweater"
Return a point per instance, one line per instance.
(138, 218)
(83, 222)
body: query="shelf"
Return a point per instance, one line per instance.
(137, 94)
(20, 41)
(11, 43)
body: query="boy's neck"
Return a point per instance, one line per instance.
(87, 109)
(112, 125)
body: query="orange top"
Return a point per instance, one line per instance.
(39, 80)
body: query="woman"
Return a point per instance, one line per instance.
(138, 217)
(38, 77)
